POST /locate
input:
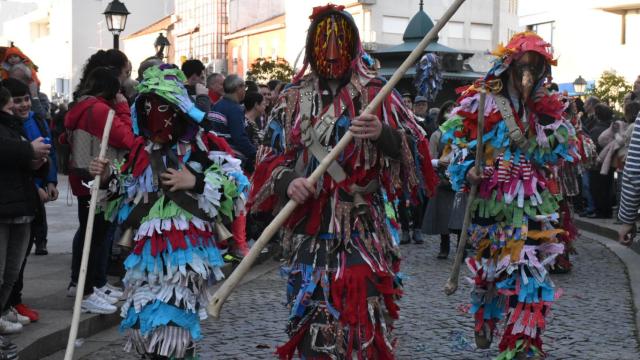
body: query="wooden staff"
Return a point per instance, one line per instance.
(227, 287)
(82, 277)
(452, 283)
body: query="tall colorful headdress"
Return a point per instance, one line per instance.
(167, 82)
(519, 44)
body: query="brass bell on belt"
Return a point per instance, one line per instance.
(223, 232)
(126, 240)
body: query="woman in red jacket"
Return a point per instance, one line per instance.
(99, 94)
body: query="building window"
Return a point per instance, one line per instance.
(545, 30)
(197, 28)
(394, 24)
(61, 90)
(481, 32)
(513, 7)
(455, 30)
(39, 29)
(234, 55)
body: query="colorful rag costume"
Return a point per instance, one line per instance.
(569, 175)
(341, 246)
(176, 255)
(515, 217)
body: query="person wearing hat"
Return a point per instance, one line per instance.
(407, 100)
(516, 221)
(421, 110)
(179, 185)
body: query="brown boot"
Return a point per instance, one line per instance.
(484, 337)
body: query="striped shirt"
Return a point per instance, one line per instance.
(630, 196)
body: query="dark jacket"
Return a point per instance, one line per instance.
(598, 128)
(235, 127)
(17, 187)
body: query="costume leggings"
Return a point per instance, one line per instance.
(524, 304)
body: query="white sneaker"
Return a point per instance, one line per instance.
(112, 291)
(13, 316)
(71, 290)
(108, 298)
(96, 305)
(9, 327)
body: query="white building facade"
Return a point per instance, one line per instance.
(60, 35)
(588, 36)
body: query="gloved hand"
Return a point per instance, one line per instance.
(188, 107)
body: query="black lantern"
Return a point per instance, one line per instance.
(579, 85)
(160, 44)
(116, 16)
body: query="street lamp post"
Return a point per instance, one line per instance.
(116, 15)
(160, 44)
(579, 85)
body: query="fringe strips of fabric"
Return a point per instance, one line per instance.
(168, 275)
(521, 290)
(351, 324)
(164, 341)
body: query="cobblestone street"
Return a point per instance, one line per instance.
(592, 320)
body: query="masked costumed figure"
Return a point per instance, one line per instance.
(341, 245)
(516, 226)
(179, 185)
(568, 172)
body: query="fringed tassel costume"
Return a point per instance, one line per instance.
(341, 246)
(518, 217)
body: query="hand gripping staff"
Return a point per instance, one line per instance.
(227, 287)
(452, 282)
(82, 277)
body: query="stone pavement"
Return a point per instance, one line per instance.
(594, 318)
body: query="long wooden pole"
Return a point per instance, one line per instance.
(82, 277)
(452, 283)
(227, 287)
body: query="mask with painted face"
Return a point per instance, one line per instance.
(160, 121)
(333, 41)
(526, 72)
(527, 58)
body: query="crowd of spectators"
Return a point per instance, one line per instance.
(40, 140)
(37, 142)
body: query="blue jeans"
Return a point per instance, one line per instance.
(586, 192)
